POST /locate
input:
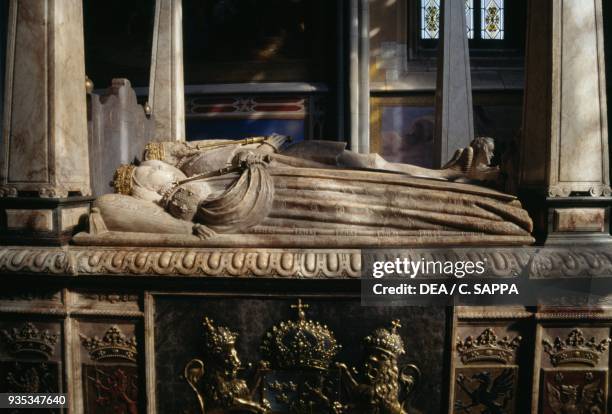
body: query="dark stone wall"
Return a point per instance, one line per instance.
(3, 27)
(118, 37)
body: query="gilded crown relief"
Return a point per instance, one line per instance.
(578, 380)
(299, 372)
(300, 344)
(110, 376)
(487, 381)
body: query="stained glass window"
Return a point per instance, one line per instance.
(492, 18)
(430, 19)
(469, 18)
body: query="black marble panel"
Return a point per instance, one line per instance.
(178, 338)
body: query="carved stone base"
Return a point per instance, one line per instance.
(33, 220)
(532, 262)
(581, 220)
(569, 220)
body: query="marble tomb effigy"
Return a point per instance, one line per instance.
(314, 194)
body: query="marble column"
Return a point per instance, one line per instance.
(44, 149)
(564, 149)
(454, 113)
(3, 21)
(44, 157)
(167, 86)
(353, 85)
(364, 76)
(359, 75)
(340, 70)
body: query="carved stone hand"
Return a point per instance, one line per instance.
(248, 158)
(203, 232)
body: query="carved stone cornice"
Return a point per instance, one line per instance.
(571, 262)
(8, 191)
(501, 262)
(492, 313)
(565, 190)
(181, 262)
(530, 262)
(45, 260)
(574, 315)
(31, 295)
(111, 298)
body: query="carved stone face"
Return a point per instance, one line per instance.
(154, 175)
(485, 149)
(489, 150)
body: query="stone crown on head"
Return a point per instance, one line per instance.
(122, 180)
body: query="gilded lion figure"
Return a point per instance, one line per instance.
(381, 386)
(223, 391)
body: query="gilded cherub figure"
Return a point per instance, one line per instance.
(223, 392)
(381, 386)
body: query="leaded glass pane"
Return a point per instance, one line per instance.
(492, 17)
(430, 19)
(469, 18)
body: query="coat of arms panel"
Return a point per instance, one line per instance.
(307, 354)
